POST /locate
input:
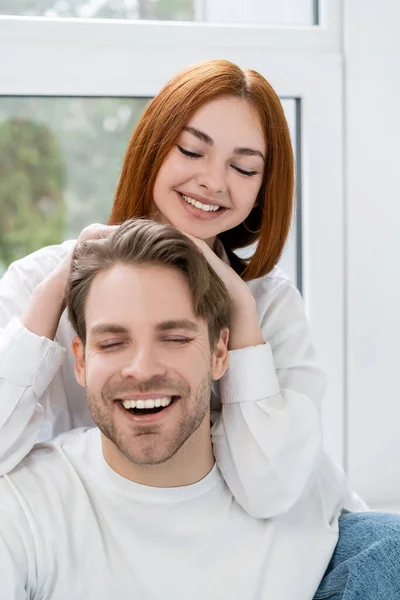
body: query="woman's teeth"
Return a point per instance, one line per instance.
(151, 403)
(200, 205)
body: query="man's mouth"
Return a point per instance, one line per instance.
(148, 406)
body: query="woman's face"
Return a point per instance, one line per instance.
(210, 179)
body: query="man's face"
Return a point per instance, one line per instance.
(147, 365)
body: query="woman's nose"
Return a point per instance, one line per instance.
(213, 179)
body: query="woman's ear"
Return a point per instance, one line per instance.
(79, 352)
(220, 355)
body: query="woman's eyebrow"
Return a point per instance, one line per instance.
(204, 137)
(248, 152)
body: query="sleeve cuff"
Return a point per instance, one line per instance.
(27, 359)
(251, 375)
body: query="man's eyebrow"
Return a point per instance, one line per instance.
(177, 324)
(107, 328)
(204, 137)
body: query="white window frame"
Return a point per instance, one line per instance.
(73, 57)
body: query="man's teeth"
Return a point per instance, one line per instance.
(200, 205)
(152, 403)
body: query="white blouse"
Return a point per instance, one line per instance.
(266, 433)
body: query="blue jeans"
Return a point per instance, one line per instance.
(366, 561)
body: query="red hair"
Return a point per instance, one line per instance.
(158, 131)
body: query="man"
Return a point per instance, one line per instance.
(136, 508)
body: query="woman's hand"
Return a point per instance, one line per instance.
(244, 327)
(43, 313)
(94, 231)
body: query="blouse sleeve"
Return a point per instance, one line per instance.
(267, 438)
(28, 362)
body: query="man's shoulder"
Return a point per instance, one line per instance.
(51, 465)
(41, 500)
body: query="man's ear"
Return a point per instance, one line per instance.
(220, 355)
(79, 352)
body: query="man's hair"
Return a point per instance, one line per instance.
(144, 242)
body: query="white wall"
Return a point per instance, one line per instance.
(372, 109)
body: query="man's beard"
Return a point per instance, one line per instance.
(146, 447)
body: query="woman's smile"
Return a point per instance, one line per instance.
(201, 210)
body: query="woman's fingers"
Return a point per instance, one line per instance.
(95, 231)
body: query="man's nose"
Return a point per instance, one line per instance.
(143, 364)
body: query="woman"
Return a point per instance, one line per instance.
(212, 156)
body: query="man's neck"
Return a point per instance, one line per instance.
(190, 464)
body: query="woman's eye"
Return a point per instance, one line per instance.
(188, 153)
(243, 172)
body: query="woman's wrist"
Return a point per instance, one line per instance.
(245, 329)
(56, 282)
(43, 313)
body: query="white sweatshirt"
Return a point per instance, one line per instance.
(267, 435)
(73, 529)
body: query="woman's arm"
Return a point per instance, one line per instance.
(34, 396)
(267, 439)
(29, 359)
(28, 365)
(268, 436)
(42, 314)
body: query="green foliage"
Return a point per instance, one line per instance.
(178, 10)
(32, 211)
(26, 7)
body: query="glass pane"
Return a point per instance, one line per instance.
(275, 12)
(60, 160)
(260, 12)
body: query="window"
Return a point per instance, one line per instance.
(75, 66)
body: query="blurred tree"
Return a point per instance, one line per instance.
(25, 7)
(92, 135)
(180, 10)
(32, 211)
